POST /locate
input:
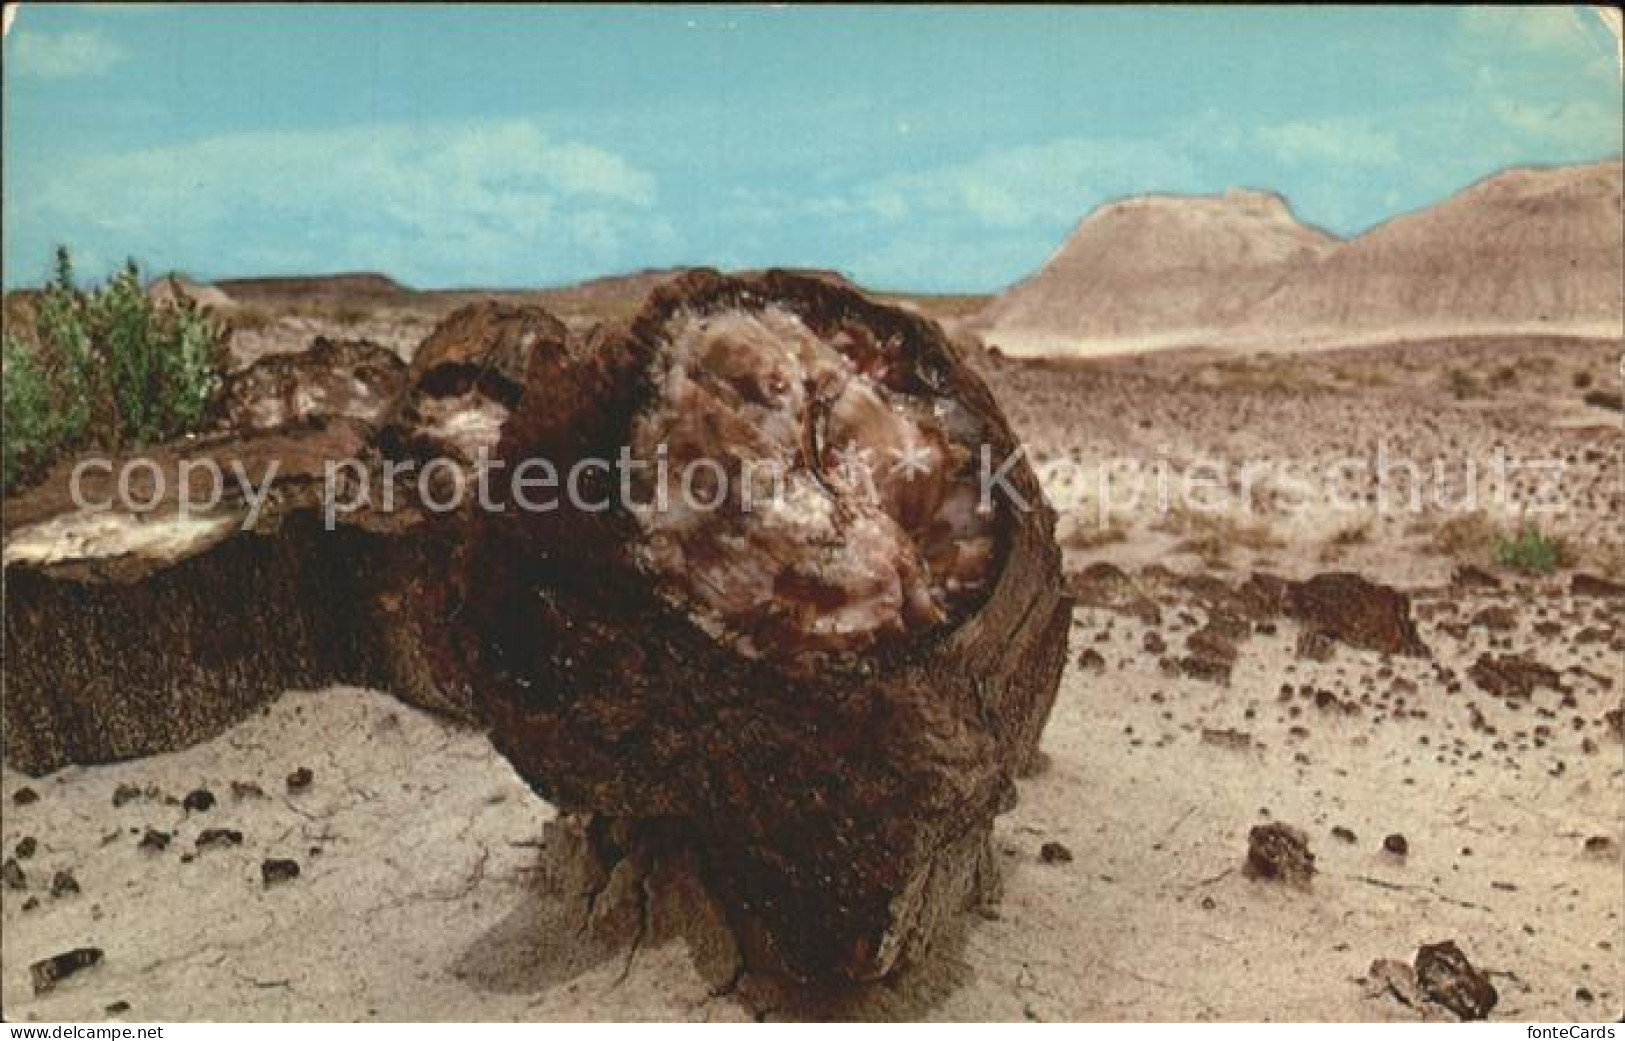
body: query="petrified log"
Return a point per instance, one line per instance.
(145, 618)
(834, 689)
(763, 577)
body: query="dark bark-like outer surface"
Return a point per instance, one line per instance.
(841, 813)
(118, 656)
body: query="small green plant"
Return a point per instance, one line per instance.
(103, 367)
(1529, 551)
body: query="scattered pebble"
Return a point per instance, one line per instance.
(154, 841)
(14, 875)
(219, 838)
(198, 801)
(1280, 853)
(125, 793)
(48, 973)
(1447, 978)
(1343, 834)
(242, 790)
(300, 779)
(26, 847)
(1396, 844)
(275, 871)
(24, 796)
(64, 884)
(1054, 853)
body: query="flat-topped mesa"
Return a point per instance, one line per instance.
(830, 689)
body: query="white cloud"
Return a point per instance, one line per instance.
(63, 55)
(1351, 142)
(1032, 184)
(1572, 126)
(496, 201)
(1549, 76)
(1553, 28)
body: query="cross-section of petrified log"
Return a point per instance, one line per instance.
(830, 681)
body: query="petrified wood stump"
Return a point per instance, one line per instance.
(757, 576)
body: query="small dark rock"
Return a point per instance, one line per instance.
(24, 796)
(125, 793)
(1496, 618)
(1447, 978)
(117, 1008)
(1054, 853)
(1314, 645)
(1597, 845)
(1469, 577)
(1512, 675)
(241, 790)
(1396, 844)
(31, 903)
(199, 801)
(14, 875)
(154, 841)
(64, 884)
(275, 871)
(1584, 994)
(219, 838)
(1343, 834)
(1089, 659)
(48, 973)
(26, 846)
(300, 779)
(1357, 612)
(1591, 585)
(1279, 852)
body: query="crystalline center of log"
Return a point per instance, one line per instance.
(794, 502)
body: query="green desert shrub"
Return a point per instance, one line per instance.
(1529, 551)
(104, 367)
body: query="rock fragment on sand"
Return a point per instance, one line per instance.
(275, 871)
(47, 973)
(64, 884)
(1054, 853)
(1447, 978)
(1279, 853)
(198, 801)
(1356, 611)
(219, 838)
(1512, 675)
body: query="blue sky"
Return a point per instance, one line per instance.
(941, 149)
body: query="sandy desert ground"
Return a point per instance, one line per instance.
(1183, 722)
